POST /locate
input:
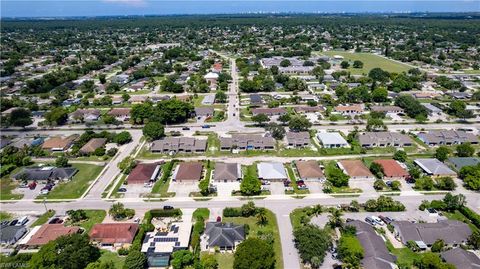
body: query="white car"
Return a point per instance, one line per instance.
(44, 192)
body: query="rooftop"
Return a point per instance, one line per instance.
(111, 233)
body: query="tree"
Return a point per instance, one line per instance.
(424, 183)
(344, 64)
(66, 252)
(336, 176)
(220, 97)
(277, 131)
(260, 119)
(262, 216)
(465, 150)
(208, 261)
(102, 78)
(250, 185)
(377, 169)
(20, 117)
(77, 215)
(357, 64)
(153, 130)
(119, 212)
(454, 202)
(412, 106)
(127, 164)
(135, 260)
(335, 218)
(254, 253)
(433, 261)
(284, 118)
(125, 97)
(122, 138)
(101, 265)
(350, 251)
(442, 153)
(285, 63)
(56, 116)
(474, 240)
(438, 245)
(378, 74)
(446, 183)
(375, 124)
(312, 244)
(181, 259)
(379, 184)
(299, 123)
(400, 156)
(61, 161)
(380, 95)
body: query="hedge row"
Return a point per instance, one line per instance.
(232, 212)
(471, 215)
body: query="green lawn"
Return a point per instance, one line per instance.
(5, 216)
(225, 260)
(370, 61)
(74, 188)
(118, 261)
(44, 218)
(201, 212)
(271, 226)
(93, 217)
(7, 185)
(293, 178)
(161, 186)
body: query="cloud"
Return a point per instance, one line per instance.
(137, 3)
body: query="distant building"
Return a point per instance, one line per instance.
(384, 139)
(188, 172)
(41, 235)
(447, 137)
(461, 258)
(349, 110)
(247, 142)
(392, 169)
(92, 145)
(298, 139)
(46, 173)
(204, 111)
(387, 109)
(275, 111)
(85, 115)
(309, 171)
(144, 173)
(255, 99)
(209, 99)
(59, 143)
(460, 162)
(120, 114)
(9, 235)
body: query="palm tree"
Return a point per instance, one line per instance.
(262, 216)
(317, 210)
(335, 218)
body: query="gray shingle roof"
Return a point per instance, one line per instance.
(224, 234)
(461, 258)
(434, 167)
(384, 139)
(227, 171)
(450, 231)
(298, 138)
(447, 137)
(45, 173)
(176, 144)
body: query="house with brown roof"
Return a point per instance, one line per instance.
(120, 114)
(114, 235)
(308, 109)
(188, 172)
(349, 110)
(144, 173)
(84, 115)
(387, 109)
(41, 235)
(392, 169)
(309, 171)
(58, 143)
(227, 172)
(274, 111)
(298, 139)
(355, 169)
(92, 145)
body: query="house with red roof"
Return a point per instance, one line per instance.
(113, 235)
(144, 173)
(392, 169)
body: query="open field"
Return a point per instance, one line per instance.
(370, 61)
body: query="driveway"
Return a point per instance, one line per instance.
(135, 190)
(276, 188)
(366, 185)
(183, 189)
(224, 189)
(314, 186)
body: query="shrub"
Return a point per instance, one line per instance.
(232, 212)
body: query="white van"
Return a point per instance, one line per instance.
(377, 220)
(22, 221)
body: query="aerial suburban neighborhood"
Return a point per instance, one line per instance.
(248, 141)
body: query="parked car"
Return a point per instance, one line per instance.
(370, 221)
(122, 190)
(147, 184)
(22, 221)
(286, 183)
(136, 220)
(265, 182)
(185, 128)
(205, 126)
(13, 222)
(23, 185)
(44, 191)
(219, 219)
(32, 185)
(167, 207)
(377, 220)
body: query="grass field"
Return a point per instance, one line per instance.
(78, 185)
(7, 185)
(93, 217)
(5, 216)
(271, 226)
(44, 218)
(370, 61)
(118, 261)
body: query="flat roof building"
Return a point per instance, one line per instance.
(332, 140)
(271, 171)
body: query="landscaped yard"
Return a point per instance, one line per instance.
(6, 187)
(44, 218)
(225, 260)
(370, 61)
(5, 216)
(74, 188)
(255, 227)
(161, 186)
(118, 261)
(93, 217)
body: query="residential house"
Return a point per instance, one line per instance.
(298, 139)
(431, 109)
(273, 171)
(459, 162)
(384, 139)
(247, 142)
(349, 110)
(159, 245)
(255, 99)
(224, 236)
(144, 173)
(274, 111)
(179, 145)
(392, 169)
(10, 234)
(113, 235)
(137, 99)
(188, 172)
(227, 172)
(308, 109)
(434, 167)
(120, 114)
(204, 111)
(84, 115)
(46, 173)
(309, 171)
(375, 252)
(387, 109)
(461, 258)
(209, 99)
(92, 145)
(355, 169)
(41, 235)
(59, 143)
(452, 232)
(332, 140)
(447, 137)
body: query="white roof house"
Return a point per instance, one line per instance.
(332, 140)
(208, 99)
(434, 167)
(271, 171)
(211, 75)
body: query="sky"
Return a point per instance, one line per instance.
(68, 8)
